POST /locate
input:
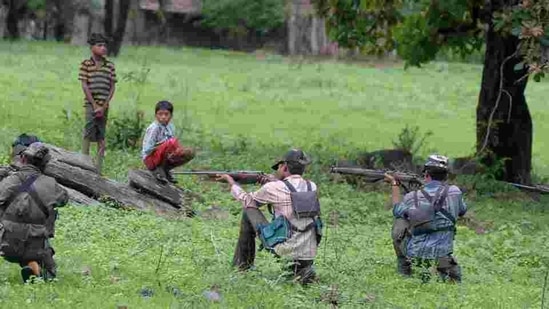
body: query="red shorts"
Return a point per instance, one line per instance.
(169, 153)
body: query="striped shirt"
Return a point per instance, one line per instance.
(440, 243)
(301, 245)
(98, 79)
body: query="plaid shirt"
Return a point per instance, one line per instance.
(302, 245)
(156, 133)
(437, 244)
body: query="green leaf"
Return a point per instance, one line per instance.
(519, 66)
(537, 78)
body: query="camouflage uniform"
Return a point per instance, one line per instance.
(27, 216)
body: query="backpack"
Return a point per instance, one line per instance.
(422, 220)
(304, 205)
(14, 236)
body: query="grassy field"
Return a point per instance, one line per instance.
(242, 111)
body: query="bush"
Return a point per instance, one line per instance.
(411, 140)
(125, 132)
(235, 14)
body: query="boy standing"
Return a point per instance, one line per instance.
(161, 149)
(98, 78)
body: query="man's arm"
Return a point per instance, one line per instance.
(250, 199)
(87, 91)
(83, 76)
(113, 84)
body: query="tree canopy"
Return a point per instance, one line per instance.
(418, 29)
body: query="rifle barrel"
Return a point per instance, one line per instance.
(376, 174)
(216, 172)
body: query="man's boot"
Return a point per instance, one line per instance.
(404, 266)
(31, 269)
(49, 267)
(303, 271)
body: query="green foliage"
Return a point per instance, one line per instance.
(530, 22)
(242, 113)
(36, 5)
(409, 139)
(422, 28)
(366, 25)
(415, 43)
(125, 131)
(243, 14)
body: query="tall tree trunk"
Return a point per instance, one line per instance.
(12, 20)
(118, 36)
(109, 16)
(504, 125)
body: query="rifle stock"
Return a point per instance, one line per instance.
(242, 177)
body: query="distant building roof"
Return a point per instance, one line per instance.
(172, 6)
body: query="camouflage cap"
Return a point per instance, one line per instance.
(437, 162)
(22, 142)
(294, 155)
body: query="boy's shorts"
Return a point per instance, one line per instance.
(94, 129)
(169, 153)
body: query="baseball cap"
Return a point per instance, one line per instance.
(294, 155)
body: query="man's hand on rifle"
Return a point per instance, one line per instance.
(392, 180)
(226, 178)
(395, 183)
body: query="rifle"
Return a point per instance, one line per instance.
(415, 180)
(242, 177)
(412, 180)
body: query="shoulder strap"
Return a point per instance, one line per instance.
(442, 210)
(289, 186)
(438, 202)
(27, 186)
(309, 186)
(39, 201)
(437, 195)
(416, 200)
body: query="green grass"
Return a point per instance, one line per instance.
(241, 112)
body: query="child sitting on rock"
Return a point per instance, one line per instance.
(161, 149)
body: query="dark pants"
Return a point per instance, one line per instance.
(244, 255)
(40, 251)
(94, 128)
(400, 235)
(447, 268)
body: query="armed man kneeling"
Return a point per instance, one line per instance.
(295, 232)
(27, 214)
(431, 214)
